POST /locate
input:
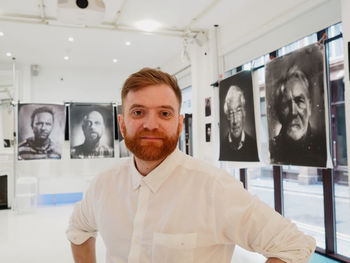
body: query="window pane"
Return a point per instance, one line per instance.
(303, 200)
(247, 66)
(260, 183)
(342, 209)
(334, 30)
(335, 50)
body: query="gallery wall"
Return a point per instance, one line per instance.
(59, 85)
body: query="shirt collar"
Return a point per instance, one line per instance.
(157, 176)
(240, 145)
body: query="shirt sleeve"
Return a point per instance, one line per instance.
(244, 220)
(82, 223)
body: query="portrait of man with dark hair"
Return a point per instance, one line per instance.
(296, 115)
(93, 127)
(39, 124)
(237, 123)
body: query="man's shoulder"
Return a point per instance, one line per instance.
(27, 142)
(200, 167)
(120, 169)
(250, 140)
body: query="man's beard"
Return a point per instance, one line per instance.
(153, 150)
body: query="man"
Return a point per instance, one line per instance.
(40, 146)
(164, 206)
(93, 128)
(297, 142)
(237, 145)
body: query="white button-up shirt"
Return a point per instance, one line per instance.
(183, 211)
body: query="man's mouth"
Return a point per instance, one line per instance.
(151, 138)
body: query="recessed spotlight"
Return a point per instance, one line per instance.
(147, 25)
(9, 54)
(127, 43)
(71, 39)
(1, 34)
(66, 58)
(115, 60)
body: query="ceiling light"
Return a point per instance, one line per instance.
(147, 25)
(115, 60)
(71, 39)
(127, 43)
(65, 57)
(1, 34)
(8, 54)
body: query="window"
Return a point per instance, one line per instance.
(306, 189)
(338, 130)
(300, 184)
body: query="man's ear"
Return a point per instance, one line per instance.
(181, 122)
(121, 123)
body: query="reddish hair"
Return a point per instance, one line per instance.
(147, 77)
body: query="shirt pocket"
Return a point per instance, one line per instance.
(173, 248)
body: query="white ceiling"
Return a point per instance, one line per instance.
(45, 42)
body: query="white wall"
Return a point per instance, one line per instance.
(76, 84)
(266, 36)
(58, 85)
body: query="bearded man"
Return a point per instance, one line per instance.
(161, 205)
(93, 127)
(297, 143)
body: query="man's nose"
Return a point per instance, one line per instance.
(294, 108)
(151, 121)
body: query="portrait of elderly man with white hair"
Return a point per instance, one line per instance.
(237, 123)
(296, 113)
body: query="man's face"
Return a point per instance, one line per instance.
(93, 126)
(151, 123)
(235, 115)
(295, 109)
(42, 125)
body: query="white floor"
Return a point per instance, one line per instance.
(39, 236)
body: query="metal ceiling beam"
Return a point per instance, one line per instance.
(42, 10)
(50, 21)
(202, 14)
(119, 13)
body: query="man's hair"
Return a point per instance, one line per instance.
(293, 73)
(232, 92)
(41, 110)
(147, 77)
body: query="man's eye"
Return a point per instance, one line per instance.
(165, 114)
(137, 113)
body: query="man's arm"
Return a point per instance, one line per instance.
(274, 260)
(85, 252)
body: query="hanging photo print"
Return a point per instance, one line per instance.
(123, 150)
(207, 132)
(91, 131)
(295, 108)
(237, 122)
(40, 131)
(208, 106)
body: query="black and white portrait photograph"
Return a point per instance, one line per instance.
(91, 129)
(207, 132)
(237, 122)
(123, 150)
(40, 131)
(295, 108)
(208, 106)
